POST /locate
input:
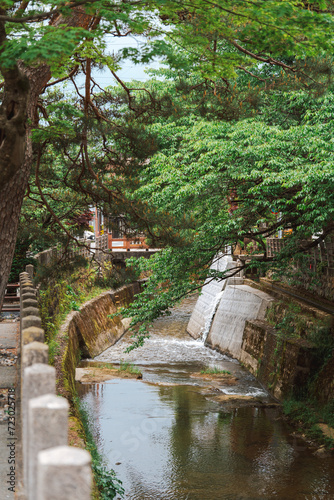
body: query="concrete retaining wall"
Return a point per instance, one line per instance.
(238, 304)
(207, 302)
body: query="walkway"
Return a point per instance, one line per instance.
(304, 296)
(9, 331)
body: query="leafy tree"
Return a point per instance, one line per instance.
(32, 53)
(41, 41)
(213, 184)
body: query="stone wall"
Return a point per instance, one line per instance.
(282, 365)
(283, 359)
(88, 332)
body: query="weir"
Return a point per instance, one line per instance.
(237, 304)
(210, 315)
(231, 317)
(207, 303)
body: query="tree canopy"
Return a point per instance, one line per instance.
(169, 153)
(211, 184)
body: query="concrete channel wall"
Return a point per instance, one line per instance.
(238, 304)
(239, 327)
(208, 301)
(52, 470)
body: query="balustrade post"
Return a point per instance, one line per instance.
(48, 427)
(64, 473)
(37, 380)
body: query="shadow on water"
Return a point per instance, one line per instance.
(167, 440)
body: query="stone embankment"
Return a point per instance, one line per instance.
(269, 333)
(90, 331)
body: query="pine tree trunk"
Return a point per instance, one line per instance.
(11, 197)
(22, 87)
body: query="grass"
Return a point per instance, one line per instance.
(128, 367)
(54, 350)
(214, 371)
(109, 366)
(307, 414)
(56, 302)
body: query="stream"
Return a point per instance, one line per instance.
(177, 435)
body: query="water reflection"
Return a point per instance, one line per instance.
(174, 444)
(170, 442)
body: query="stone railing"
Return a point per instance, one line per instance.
(47, 257)
(101, 247)
(320, 257)
(274, 245)
(49, 464)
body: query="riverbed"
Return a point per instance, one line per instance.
(179, 435)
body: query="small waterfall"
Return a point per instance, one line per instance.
(210, 316)
(202, 311)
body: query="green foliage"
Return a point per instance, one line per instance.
(54, 303)
(290, 321)
(300, 411)
(69, 294)
(74, 306)
(128, 367)
(305, 275)
(208, 74)
(327, 413)
(59, 296)
(214, 371)
(19, 262)
(207, 30)
(287, 320)
(322, 337)
(112, 277)
(265, 167)
(170, 155)
(46, 43)
(307, 414)
(54, 346)
(186, 188)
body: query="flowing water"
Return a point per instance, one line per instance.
(210, 316)
(171, 437)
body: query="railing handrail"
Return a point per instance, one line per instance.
(46, 456)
